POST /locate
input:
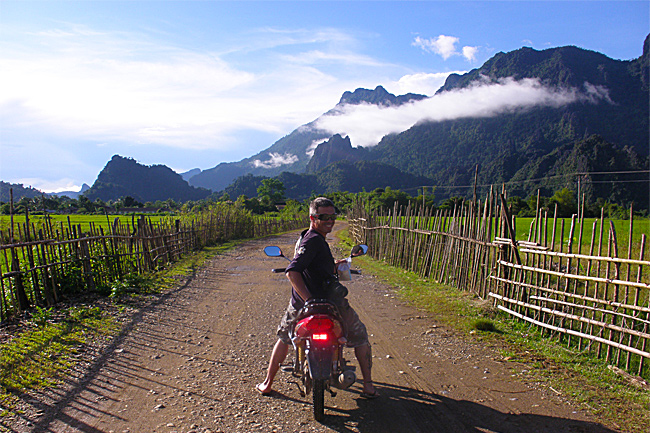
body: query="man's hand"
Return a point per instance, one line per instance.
(298, 284)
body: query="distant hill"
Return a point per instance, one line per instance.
(19, 191)
(378, 96)
(593, 155)
(334, 150)
(339, 176)
(190, 174)
(293, 152)
(72, 194)
(122, 177)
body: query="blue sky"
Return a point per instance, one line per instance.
(194, 83)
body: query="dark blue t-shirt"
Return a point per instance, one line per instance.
(315, 262)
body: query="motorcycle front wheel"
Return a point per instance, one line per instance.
(318, 393)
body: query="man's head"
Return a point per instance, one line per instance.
(322, 214)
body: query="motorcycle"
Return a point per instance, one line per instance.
(318, 338)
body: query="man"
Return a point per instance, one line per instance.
(312, 265)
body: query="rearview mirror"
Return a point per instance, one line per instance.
(273, 251)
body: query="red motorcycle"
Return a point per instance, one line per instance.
(318, 338)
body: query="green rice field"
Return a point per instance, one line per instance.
(621, 228)
(86, 221)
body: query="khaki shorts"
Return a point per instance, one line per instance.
(356, 333)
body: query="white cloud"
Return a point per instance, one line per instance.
(50, 186)
(445, 46)
(275, 160)
(312, 147)
(318, 56)
(421, 83)
(596, 93)
(366, 124)
(470, 53)
(108, 87)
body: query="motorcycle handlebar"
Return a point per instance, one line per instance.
(282, 270)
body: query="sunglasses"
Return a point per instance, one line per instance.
(325, 217)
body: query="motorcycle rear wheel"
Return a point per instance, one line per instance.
(318, 394)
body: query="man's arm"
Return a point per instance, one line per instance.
(298, 284)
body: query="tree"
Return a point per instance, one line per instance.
(131, 202)
(452, 202)
(85, 205)
(171, 204)
(566, 202)
(294, 208)
(519, 207)
(270, 192)
(386, 198)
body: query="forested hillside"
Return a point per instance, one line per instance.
(125, 177)
(604, 129)
(293, 152)
(19, 191)
(519, 146)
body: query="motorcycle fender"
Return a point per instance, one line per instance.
(320, 362)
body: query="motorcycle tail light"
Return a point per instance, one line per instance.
(320, 325)
(320, 337)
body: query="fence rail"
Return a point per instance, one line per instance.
(40, 265)
(597, 300)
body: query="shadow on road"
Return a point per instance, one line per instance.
(413, 411)
(72, 395)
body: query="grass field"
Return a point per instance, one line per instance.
(621, 227)
(84, 220)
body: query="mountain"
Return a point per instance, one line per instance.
(340, 176)
(596, 119)
(293, 152)
(122, 177)
(609, 116)
(621, 117)
(597, 156)
(19, 191)
(379, 96)
(290, 153)
(334, 150)
(355, 176)
(72, 194)
(518, 145)
(190, 174)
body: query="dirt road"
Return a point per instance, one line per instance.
(189, 363)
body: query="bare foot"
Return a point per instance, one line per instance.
(263, 389)
(369, 389)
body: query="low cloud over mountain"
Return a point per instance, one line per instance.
(366, 124)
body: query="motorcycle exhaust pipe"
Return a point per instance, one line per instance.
(345, 379)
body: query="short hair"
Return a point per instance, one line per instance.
(319, 202)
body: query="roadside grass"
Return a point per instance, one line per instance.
(48, 341)
(578, 375)
(47, 346)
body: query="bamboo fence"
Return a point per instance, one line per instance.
(41, 265)
(588, 293)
